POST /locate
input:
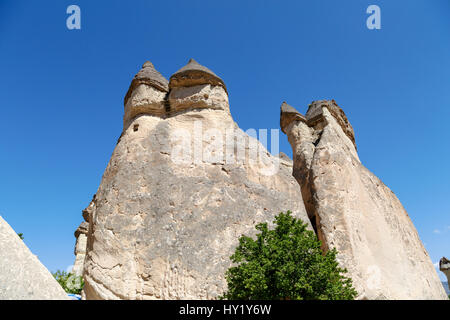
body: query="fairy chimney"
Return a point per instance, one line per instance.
(146, 94)
(353, 211)
(80, 248)
(444, 266)
(180, 189)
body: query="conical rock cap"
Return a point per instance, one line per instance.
(288, 114)
(150, 76)
(194, 74)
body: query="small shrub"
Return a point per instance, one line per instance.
(286, 263)
(69, 282)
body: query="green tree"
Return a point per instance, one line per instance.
(69, 282)
(20, 235)
(286, 263)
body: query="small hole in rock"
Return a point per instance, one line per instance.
(135, 127)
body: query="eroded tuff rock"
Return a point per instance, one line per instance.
(145, 94)
(181, 187)
(353, 211)
(80, 248)
(444, 266)
(22, 275)
(194, 74)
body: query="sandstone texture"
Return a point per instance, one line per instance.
(22, 275)
(444, 266)
(353, 211)
(183, 184)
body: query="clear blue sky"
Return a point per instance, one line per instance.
(62, 93)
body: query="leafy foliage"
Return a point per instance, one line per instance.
(71, 283)
(286, 263)
(20, 235)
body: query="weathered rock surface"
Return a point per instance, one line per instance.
(181, 187)
(444, 266)
(194, 74)
(80, 248)
(147, 90)
(22, 275)
(353, 211)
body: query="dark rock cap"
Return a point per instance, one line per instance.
(150, 76)
(315, 114)
(83, 228)
(286, 108)
(289, 114)
(444, 264)
(194, 74)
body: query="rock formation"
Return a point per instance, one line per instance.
(22, 275)
(353, 211)
(81, 240)
(183, 184)
(444, 266)
(80, 248)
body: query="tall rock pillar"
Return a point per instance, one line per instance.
(444, 266)
(80, 248)
(353, 211)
